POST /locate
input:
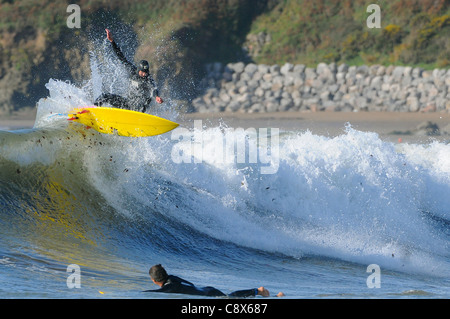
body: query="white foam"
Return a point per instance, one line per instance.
(353, 197)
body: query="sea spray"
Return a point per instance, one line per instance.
(106, 202)
(333, 207)
(352, 197)
(226, 146)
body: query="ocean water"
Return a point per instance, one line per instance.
(84, 215)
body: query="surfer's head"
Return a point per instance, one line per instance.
(143, 68)
(158, 273)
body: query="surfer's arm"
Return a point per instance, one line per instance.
(118, 52)
(122, 58)
(155, 92)
(154, 290)
(165, 288)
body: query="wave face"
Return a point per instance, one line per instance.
(114, 205)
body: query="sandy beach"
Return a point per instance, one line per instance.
(18, 120)
(391, 126)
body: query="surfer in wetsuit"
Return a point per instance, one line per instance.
(142, 87)
(174, 284)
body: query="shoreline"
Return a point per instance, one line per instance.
(23, 119)
(389, 125)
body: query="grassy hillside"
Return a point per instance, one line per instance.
(179, 36)
(413, 32)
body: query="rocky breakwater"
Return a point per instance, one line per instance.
(239, 87)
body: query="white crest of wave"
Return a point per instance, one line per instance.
(353, 197)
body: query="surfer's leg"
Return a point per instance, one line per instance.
(112, 99)
(212, 292)
(250, 292)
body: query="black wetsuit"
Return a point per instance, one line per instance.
(177, 285)
(140, 92)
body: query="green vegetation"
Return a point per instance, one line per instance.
(180, 36)
(413, 32)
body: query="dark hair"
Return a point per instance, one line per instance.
(158, 273)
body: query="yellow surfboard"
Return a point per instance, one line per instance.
(121, 122)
